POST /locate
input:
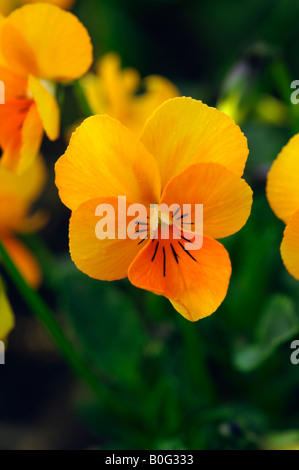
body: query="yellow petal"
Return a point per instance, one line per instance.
(6, 6)
(66, 4)
(157, 90)
(105, 160)
(226, 198)
(283, 181)
(47, 42)
(47, 107)
(117, 86)
(7, 321)
(93, 90)
(17, 193)
(32, 134)
(290, 246)
(195, 286)
(108, 259)
(183, 131)
(114, 90)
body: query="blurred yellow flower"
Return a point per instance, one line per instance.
(230, 105)
(266, 108)
(114, 91)
(66, 4)
(40, 45)
(283, 440)
(188, 154)
(272, 110)
(283, 197)
(7, 322)
(17, 193)
(7, 6)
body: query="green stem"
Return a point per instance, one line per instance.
(42, 311)
(196, 360)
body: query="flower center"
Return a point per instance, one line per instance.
(160, 221)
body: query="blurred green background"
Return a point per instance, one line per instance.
(225, 382)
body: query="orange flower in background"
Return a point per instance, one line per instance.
(283, 197)
(113, 91)
(188, 154)
(40, 46)
(17, 193)
(7, 6)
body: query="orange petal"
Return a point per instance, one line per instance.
(12, 117)
(47, 107)
(35, 222)
(15, 86)
(47, 42)
(32, 135)
(105, 160)
(183, 131)
(10, 156)
(24, 261)
(195, 288)
(226, 198)
(290, 246)
(283, 181)
(107, 259)
(2, 59)
(22, 146)
(13, 212)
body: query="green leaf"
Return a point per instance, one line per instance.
(277, 325)
(105, 324)
(279, 322)
(286, 440)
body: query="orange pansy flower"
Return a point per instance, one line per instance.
(17, 193)
(283, 197)
(188, 154)
(40, 45)
(114, 91)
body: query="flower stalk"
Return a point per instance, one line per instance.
(40, 309)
